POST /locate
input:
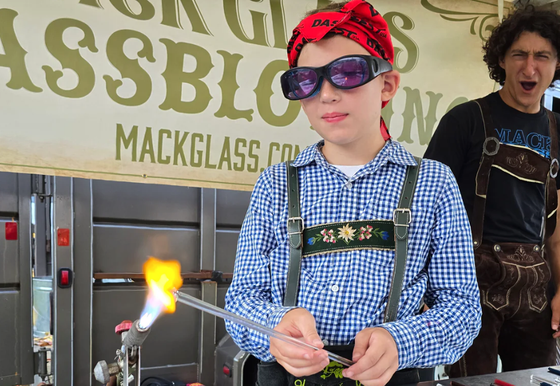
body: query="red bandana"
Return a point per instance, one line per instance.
(357, 20)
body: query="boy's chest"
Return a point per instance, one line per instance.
(364, 198)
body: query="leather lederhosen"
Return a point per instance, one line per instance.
(526, 165)
(512, 277)
(522, 163)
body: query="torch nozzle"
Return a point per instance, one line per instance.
(136, 335)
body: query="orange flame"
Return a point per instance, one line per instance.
(162, 278)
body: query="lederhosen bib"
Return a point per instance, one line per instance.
(367, 234)
(515, 261)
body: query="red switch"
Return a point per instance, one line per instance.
(11, 231)
(226, 370)
(63, 237)
(64, 278)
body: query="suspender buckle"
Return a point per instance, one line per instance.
(554, 166)
(398, 219)
(300, 225)
(485, 149)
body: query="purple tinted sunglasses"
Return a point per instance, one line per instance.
(346, 72)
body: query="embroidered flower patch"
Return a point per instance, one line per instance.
(347, 234)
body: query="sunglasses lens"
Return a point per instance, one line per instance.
(344, 73)
(349, 72)
(299, 83)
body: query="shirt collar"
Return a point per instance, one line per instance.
(392, 152)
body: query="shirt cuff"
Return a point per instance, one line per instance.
(276, 316)
(407, 341)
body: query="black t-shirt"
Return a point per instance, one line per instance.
(514, 208)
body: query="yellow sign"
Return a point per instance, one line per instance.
(187, 92)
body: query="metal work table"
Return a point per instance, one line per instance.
(517, 378)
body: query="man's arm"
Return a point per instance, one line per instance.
(553, 254)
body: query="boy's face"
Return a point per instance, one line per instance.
(529, 64)
(342, 117)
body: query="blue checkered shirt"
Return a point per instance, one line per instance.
(348, 291)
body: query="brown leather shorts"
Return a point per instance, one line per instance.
(512, 277)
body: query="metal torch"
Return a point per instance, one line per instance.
(127, 361)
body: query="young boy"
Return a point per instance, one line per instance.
(349, 191)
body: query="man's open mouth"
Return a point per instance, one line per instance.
(528, 86)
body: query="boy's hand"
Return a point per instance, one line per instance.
(376, 357)
(299, 361)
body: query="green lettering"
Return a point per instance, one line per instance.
(70, 58)
(198, 162)
(93, 3)
(148, 146)
(147, 10)
(229, 86)
(226, 155)
(411, 47)
(207, 163)
(414, 109)
(171, 17)
(14, 54)
(264, 93)
(278, 24)
(233, 19)
(387, 113)
(238, 167)
(273, 147)
(323, 3)
(129, 68)
(296, 151)
(161, 160)
(253, 145)
(175, 77)
(178, 150)
(286, 152)
(122, 139)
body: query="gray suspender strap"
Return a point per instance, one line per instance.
(402, 218)
(295, 237)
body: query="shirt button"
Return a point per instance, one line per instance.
(334, 288)
(348, 185)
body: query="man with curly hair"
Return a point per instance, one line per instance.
(503, 150)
